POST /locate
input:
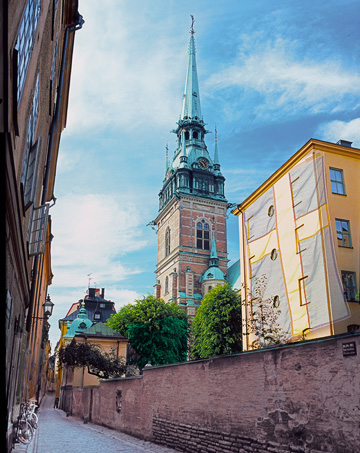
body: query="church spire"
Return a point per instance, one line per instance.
(191, 101)
(214, 260)
(216, 154)
(167, 158)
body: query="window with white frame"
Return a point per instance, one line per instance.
(38, 229)
(343, 233)
(25, 42)
(32, 152)
(337, 181)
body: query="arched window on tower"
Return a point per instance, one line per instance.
(203, 235)
(167, 242)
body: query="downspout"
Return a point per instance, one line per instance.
(69, 29)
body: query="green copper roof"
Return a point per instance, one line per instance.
(233, 275)
(100, 329)
(213, 273)
(191, 102)
(81, 323)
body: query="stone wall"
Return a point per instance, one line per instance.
(295, 398)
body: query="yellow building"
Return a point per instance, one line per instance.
(299, 236)
(83, 330)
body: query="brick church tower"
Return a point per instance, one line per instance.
(191, 223)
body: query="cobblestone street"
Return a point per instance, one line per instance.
(58, 433)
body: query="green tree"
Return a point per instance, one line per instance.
(99, 363)
(216, 327)
(157, 330)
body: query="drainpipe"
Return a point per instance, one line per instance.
(77, 25)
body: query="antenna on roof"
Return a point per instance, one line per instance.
(89, 279)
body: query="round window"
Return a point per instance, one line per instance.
(276, 301)
(273, 254)
(271, 211)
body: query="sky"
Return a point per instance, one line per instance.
(272, 75)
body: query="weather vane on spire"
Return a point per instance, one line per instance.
(192, 24)
(215, 133)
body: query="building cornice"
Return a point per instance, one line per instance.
(311, 145)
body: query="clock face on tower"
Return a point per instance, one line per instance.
(203, 163)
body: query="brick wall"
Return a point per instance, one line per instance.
(295, 398)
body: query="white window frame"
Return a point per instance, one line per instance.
(38, 229)
(25, 42)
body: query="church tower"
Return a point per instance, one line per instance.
(191, 223)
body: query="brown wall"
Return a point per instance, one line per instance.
(302, 397)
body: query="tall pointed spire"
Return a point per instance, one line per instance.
(216, 154)
(214, 260)
(191, 101)
(167, 158)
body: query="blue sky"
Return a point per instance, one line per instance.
(272, 75)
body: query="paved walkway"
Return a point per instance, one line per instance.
(58, 434)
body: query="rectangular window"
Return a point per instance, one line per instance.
(30, 184)
(349, 285)
(343, 233)
(30, 164)
(38, 230)
(25, 42)
(337, 181)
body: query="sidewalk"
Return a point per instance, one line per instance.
(58, 433)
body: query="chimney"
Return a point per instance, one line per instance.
(344, 143)
(92, 292)
(103, 293)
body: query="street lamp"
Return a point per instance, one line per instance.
(47, 309)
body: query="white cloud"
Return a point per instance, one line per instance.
(336, 130)
(287, 85)
(121, 296)
(91, 233)
(124, 70)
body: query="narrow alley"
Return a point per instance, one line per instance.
(59, 433)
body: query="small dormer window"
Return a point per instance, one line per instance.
(102, 305)
(97, 316)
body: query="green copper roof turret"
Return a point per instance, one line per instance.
(191, 102)
(214, 260)
(213, 272)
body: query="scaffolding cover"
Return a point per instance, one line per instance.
(289, 240)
